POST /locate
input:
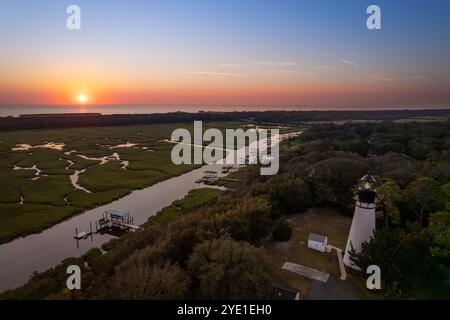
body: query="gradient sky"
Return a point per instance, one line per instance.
(226, 52)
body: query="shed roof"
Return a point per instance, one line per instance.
(115, 212)
(317, 238)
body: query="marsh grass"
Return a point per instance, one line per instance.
(194, 199)
(44, 198)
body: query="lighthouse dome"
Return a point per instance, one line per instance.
(367, 189)
(368, 183)
(368, 177)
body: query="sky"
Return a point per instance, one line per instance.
(226, 52)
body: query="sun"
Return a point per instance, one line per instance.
(82, 98)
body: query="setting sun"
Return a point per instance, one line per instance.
(82, 98)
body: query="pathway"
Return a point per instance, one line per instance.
(341, 262)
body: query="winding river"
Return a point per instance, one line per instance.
(39, 252)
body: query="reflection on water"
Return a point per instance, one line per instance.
(124, 145)
(19, 258)
(74, 180)
(34, 168)
(16, 111)
(49, 145)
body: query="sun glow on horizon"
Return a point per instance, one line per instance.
(82, 98)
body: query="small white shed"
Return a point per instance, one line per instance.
(317, 242)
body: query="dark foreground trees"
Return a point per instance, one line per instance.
(411, 261)
(228, 269)
(282, 231)
(141, 280)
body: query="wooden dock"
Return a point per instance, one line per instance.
(116, 219)
(208, 177)
(114, 222)
(83, 234)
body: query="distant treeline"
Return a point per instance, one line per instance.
(287, 117)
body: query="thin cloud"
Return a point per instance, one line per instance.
(212, 73)
(306, 73)
(322, 67)
(381, 78)
(421, 78)
(271, 63)
(233, 65)
(290, 72)
(350, 63)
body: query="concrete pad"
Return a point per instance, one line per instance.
(306, 271)
(334, 289)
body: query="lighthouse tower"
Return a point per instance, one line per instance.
(363, 224)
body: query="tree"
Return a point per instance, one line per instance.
(388, 195)
(403, 255)
(228, 269)
(335, 178)
(440, 249)
(249, 221)
(291, 195)
(138, 279)
(446, 190)
(382, 251)
(282, 231)
(424, 196)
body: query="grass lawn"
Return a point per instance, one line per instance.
(230, 180)
(194, 199)
(316, 220)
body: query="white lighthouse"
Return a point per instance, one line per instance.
(363, 224)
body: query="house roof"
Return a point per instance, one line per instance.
(115, 212)
(317, 238)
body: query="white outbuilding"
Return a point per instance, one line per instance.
(317, 242)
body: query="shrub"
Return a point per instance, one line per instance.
(289, 196)
(282, 231)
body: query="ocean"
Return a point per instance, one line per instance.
(15, 111)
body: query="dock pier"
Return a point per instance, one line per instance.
(208, 177)
(83, 234)
(114, 222)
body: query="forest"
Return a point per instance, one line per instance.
(42, 121)
(209, 246)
